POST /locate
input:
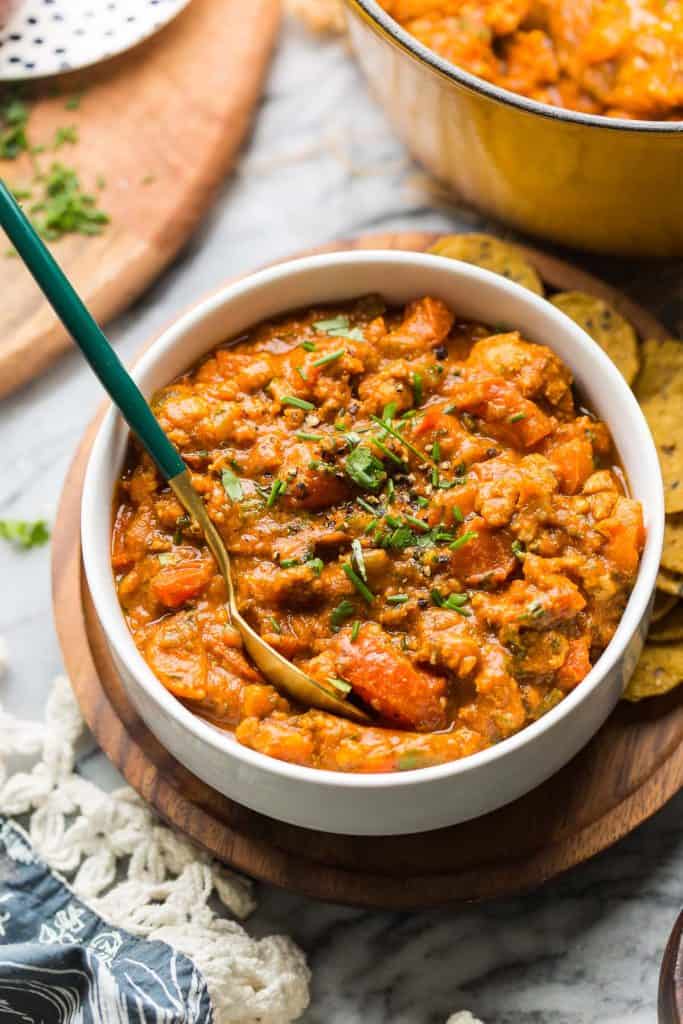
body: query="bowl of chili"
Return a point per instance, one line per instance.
(552, 118)
(457, 523)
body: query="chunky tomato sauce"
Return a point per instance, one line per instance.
(418, 515)
(622, 58)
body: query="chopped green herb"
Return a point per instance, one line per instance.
(422, 502)
(303, 435)
(308, 346)
(331, 357)
(410, 760)
(391, 490)
(436, 451)
(232, 485)
(401, 538)
(316, 564)
(534, 611)
(457, 514)
(275, 624)
(419, 523)
(302, 373)
(518, 550)
(388, 412)
(340, 684)
(516, 417)
(388, 452)
(279, 487)
(65, 134)
(74, 102)
(454, 601)
(365, 469)
(289, 563)
(13, 121)
(463, 539)
(65, 208)
(339, 327)
(355, 630)
(399, 437)
(366, 506)
(392, 521)
(361, 587)
(358, 560)
(435, 477)
(297, 403)
(340, 614)
(397, 598)
(416, 382)
(24, 534)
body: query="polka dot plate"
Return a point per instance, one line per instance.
(49, 37)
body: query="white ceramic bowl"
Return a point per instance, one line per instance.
(401, 802)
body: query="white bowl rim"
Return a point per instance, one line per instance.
(116, 630)
(379, 19)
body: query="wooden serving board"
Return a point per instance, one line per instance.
(624, 775)
(162, 124)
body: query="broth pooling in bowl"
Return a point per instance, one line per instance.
(418, 513)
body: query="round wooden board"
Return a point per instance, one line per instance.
(622, 777)
(162, 124)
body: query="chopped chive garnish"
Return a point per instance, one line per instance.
(435, 477)
(393, 522)
(231, 485)
(371, 526)
(340, 614)
(457, 514)
(388, 412)
(516, 417)
(302, 373)
(340, 684)
(316, 564)
(279, 487)
(336, 323)
(455, 601)
(366, 506)
(359, 561)
(436, 597)
(419, 523)
(388, 452)
(361, 587)
(355, 630)
(518, 550)
(297, 403)
(397, 598)
(308, 346)
(331, 357)
(436, 451)
(422, 502)
(303, 435)
(399, 437)
(391, 490)
(289, 563)
(465, 538)
(417, 388)
(275, 624)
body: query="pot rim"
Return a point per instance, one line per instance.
(382, 23)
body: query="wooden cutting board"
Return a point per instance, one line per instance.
(162, 124)
(626, 773)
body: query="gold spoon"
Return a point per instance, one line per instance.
(131, 403)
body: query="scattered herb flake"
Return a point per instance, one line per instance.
(13, 121)
(275, 624)
(358, 583)
(463, 539)
(65, 208)
(416, 382)
(355, 630)
(358, 560)
(25, 534)
(303, 435)
(516, 417)
(232, 485)
(365, 469)
(340, 614)
(518, 550)
(279, 487)
(397, 598)
(297, 403)
(331, 357)
(308, 346)
(316, 564)
(66, 134)
(340, 684)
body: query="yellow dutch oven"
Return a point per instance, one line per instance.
(600, 183)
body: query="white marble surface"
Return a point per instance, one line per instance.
(323, 163)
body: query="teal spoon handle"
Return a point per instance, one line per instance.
(88, 335)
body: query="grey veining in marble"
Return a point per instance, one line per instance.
(323, 163)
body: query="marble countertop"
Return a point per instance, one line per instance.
(586, 948)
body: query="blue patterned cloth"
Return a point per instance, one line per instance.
(61, 964)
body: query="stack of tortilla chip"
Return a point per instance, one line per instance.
(655, 371)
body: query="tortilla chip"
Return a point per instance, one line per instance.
(672, 554)
(659, 670)
(663, 415)
(614, 335)
(663, 604)
(668, 630)
(662, 369)
(491, 254)
(670, 582)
